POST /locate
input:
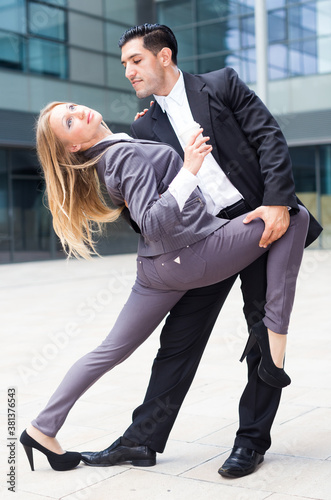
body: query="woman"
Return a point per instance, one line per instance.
(181, 247)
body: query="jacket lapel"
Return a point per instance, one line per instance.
(198, 99)
(163, 130)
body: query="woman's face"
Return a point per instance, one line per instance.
(78, 127)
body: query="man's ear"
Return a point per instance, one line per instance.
(165, 55)
(74, 148)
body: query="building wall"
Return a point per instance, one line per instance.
(67, 50)
(56, 50)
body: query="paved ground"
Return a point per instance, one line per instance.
(53, 312)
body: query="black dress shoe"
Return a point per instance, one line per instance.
(122, 450)
(241, 462)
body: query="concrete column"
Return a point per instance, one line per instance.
(261, 42)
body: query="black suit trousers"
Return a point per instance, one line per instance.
(182, 343)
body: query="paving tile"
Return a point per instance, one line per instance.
(180, 457)
(307, 435)
(23, 495)
(190, 428)
(46, 482)
(300, 395)
(282, 496)
(137, 484)
(285, 475)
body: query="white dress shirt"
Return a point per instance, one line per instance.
(216, 188)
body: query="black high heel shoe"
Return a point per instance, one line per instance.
(267, 370)
(66, 461)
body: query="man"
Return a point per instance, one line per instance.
(250, 170)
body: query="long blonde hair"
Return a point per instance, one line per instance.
(73, 191)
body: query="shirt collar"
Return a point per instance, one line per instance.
(177, 94)
(113, 137)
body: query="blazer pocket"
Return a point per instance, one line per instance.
(184, 266)
(190, 210)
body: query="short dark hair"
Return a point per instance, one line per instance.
(155, 37)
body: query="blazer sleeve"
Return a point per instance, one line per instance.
(129, 175)
(265, 137)
(133, 132)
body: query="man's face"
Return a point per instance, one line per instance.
(144, 70)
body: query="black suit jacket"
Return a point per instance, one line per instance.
(247, 141)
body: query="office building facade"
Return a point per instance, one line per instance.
(66, 50)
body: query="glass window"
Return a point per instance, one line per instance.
(324, 51)
(47, 58)
(304, 171)
(308, 18)
(59, 3)
(301, 21)
(323, 17)
(94, 7)
(248, 65)
(209, 9)
(325, 161)
(247, 31)
(303, 161)
(79, 25)
(4, 223)
(185, 43)
(24, 162)
(175, 12)
(220, 36)
(188, 66)
(246, 6)
(113, 34)
(87, 67)
(278, 61)
(115, 74)
(11, 51)
(12, 15)
(47, 21)
(208, 64)
(277, 25)
(124, 11)
(295, 61)
(234, 61)
(31, 218)
(275, 4)
(233, 32)
(303, 57)
(244, 62)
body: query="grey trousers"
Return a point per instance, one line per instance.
(162, 280)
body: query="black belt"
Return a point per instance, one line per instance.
(234, 210)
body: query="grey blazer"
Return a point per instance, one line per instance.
(140, 172)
